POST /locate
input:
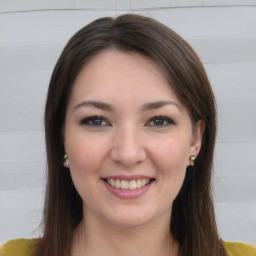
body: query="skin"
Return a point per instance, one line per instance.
(128, 139)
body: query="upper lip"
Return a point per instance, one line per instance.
(128, 178)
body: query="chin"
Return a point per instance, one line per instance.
(128, 223)
(130, 219)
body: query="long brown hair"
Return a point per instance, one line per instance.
(193, 219)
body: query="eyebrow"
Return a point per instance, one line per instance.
(159, 104)
(108, 107)
(96, 104)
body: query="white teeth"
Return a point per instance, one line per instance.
(124, 184)
(131, 185)
(118, 184)
(138, 183)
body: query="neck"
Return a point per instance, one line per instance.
(94, 237)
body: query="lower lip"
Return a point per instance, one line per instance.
(127, 193)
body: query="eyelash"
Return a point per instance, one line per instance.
(96, 121)
(90, 121)
(164, 121)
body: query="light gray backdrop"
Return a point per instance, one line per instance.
(32, 35)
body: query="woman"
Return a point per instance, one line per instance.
(130, 133)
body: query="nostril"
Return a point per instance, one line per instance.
(128, 156)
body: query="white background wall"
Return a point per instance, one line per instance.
(32, 35)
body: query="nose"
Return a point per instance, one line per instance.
(128, 148)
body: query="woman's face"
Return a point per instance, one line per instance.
(128, 139)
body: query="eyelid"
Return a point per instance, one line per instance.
(85, 121)
(163, 118)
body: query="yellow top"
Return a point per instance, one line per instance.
(18, 247)
(26, 247)
(239, 249)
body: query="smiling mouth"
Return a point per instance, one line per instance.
(128, 185)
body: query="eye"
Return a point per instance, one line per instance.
(160, 121)
(97, 121)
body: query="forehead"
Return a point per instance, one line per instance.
(114, 74)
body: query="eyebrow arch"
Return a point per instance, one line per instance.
(159, 104)
(96, 104)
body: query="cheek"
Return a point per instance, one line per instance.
(172, 155)
(85, 154)
(171, 160)
(86, 159)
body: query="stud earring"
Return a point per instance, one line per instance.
(192, 159)
(66, 161)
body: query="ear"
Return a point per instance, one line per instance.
(197, 136)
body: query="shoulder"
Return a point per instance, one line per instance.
(21, 247)
(239, 249)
